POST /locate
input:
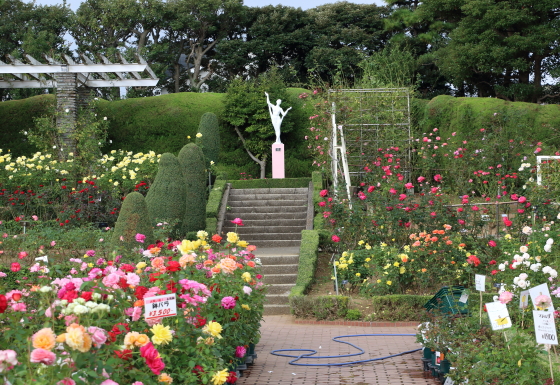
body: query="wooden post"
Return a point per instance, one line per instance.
(66, 108)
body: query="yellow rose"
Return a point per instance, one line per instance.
(213, 328)
(246, 307)
(246, 277)
(220, 377)
(242, 244)
(162, 334)
(389, 283)
(165, 378)
(232, 237)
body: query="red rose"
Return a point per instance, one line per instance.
(122, 283)
(198, 370)
(126, 267)
(173, 266)
(86, 295)
(154, 277)
(3, 303)
(232, 378)
(216, 238)
(120, 327)
(125, 354)
(70, 295)
(140, 291)
(15, 267)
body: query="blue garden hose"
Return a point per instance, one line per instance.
(311, 352)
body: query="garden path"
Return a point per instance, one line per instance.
(282, 332)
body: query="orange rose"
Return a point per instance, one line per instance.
(44, 339)
(228, 265)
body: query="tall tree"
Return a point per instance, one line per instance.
(194, 28)
(503, 48)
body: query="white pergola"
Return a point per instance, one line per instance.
(73, 82)
(35, 74)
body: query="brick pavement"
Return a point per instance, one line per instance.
(281, 332)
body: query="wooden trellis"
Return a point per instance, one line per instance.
(73, 82)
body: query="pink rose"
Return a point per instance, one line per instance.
(109, 382)
(132, 279)
(324, 193)
(543, 301)
(66, 381)
(421, 179)
(237, 221)
(98, 335)
(240, 351)
(522, 200)
(228, 302)
(335, 238)
(140, 238)
(492, 243)
(505, 297)
(42, 356)
(111, 280)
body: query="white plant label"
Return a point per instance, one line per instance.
(524, 299)
(160, 306)
(545, 329)
(449, 381)
(499, 315)
(480, 282)
(540, 290)
(464, 297)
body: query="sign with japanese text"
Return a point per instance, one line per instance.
(160, 306)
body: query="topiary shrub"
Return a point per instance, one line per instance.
(166, 197)
(192, 162)
(209, 142)
(133, 219)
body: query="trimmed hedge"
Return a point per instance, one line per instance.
(307, 262)
(192, 162)
(166, 196)
(215, 198)
(17, 116)
(327, 307)
(133, 219)
(209, 142)
(272, 183)
(409, 307)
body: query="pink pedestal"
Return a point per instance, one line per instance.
(278, 161)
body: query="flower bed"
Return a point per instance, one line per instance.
(90, 326)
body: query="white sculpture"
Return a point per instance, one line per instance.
(276, 115)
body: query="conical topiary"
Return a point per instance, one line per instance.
(209, 141)
(192, 162)
(133, 219)
(166, 197)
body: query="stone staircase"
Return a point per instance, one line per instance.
(273, 219)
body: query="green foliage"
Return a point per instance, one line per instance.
(209, 142)
(321, 308)
(215, 198)
(307, 262)
(271, 183)
(191, 159)
(160, 123)
(18, 117)
(245, 109)
(353, 315)
(134, 218)
(391, 67)
(167, 195)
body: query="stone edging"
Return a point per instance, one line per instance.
(358, 323)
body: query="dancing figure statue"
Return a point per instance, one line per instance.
(276, 115)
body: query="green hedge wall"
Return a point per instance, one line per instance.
(271, 183)
(307, 261)
(17, 116)
(466, 115)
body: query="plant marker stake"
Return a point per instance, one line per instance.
(480, 310)
(507, 342)
(550, 364)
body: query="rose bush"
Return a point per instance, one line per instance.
(88, 327)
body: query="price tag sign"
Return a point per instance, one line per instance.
(499, 315)
(449, 381)
(545, 330)
(480, 282)
(160, 306)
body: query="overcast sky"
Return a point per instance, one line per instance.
(74, 4)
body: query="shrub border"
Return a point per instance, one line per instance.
(271, 183)
(307, 261)
(213, 205)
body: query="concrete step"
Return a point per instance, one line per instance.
(271, 196)
(279, 269)
(248, 229)
(279, 288)
(273, 243)
(263, 223)
(266, 216)
(257, 233)
(241, 191)
(276, 309)
(279, 260)
(267, 201)
(276, 299)
(280, 278)
(241, 211)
